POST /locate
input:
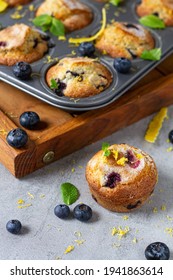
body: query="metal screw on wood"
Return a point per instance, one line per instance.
(48, 157)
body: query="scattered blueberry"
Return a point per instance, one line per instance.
(17, 138)
(122, 65)
(22, 70)
(62, 211)
(14, 226)
(82, 212)
(29, 119)
(157, 251)
(86, 49)
(170, 135)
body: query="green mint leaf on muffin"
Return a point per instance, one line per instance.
(115, 2)
(54, 84)
(105, 147)
(69, 193)
(154, 54)
(152, 21)
(47, 22)
(57, 27)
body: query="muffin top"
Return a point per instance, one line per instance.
(122, 165)
(73, 14)
(122, 39)
(13, 3)
(79, 77)
(162, 8)
(20, 42)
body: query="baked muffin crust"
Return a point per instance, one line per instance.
(73, 14)
(122, 181)
(79, 76)
(162, 8)
(121, 39)
(20, 42)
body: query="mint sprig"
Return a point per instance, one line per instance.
(152, 21)
(54, 84)
(154, 54)
(115, 2)
(47, 22)
(105, 147)
(69, 193)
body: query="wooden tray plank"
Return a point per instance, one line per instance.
(62, 133)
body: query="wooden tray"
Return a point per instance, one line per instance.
(61, 133)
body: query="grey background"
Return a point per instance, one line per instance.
(44, 236)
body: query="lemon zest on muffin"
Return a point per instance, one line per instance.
(3, 5)
(163, 207)
(155, 210)
(69, 249)
(31, 8)
(139, 156)
(24, 206)
(169, 149)
(122, 161)
(92, 38)
(115, 154)
(156, 125)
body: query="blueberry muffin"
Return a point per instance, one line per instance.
(123, 179)
(13, 3)
(161, 8)
(73, 14)
(79, 77)
(127, 40)
(20, 42)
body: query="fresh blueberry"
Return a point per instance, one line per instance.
(170, 135)
(22, 70)
(62, 211)
(14, 226)
(17, 138)
(29, 119)
(82, 212)
(86, 49)
(122, 65)
(157, 251)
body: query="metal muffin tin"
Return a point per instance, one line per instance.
(37, 85)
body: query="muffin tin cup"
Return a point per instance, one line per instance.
(121, 83)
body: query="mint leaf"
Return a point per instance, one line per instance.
(43, 21)
(57, 27)
(154, 54)
(54, 84)
(115, 2)
(69, 193)
(152, 21)
(105, 147)
(50, 23)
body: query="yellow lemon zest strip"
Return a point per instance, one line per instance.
(155, 125)
(3, 5)
(69, 249)
(92, 38)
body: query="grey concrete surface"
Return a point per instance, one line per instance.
(46, 237)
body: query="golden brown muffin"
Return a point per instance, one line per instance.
(73, 14)
(13, 3)
(123, 180)
(79, 77)
(121, 39)
(20, 42)
(162, 8)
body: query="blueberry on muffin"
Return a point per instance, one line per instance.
(78, 77)
(20, 42)
(122, 178)
(73, 14)
(121, 39)
(161, 8)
